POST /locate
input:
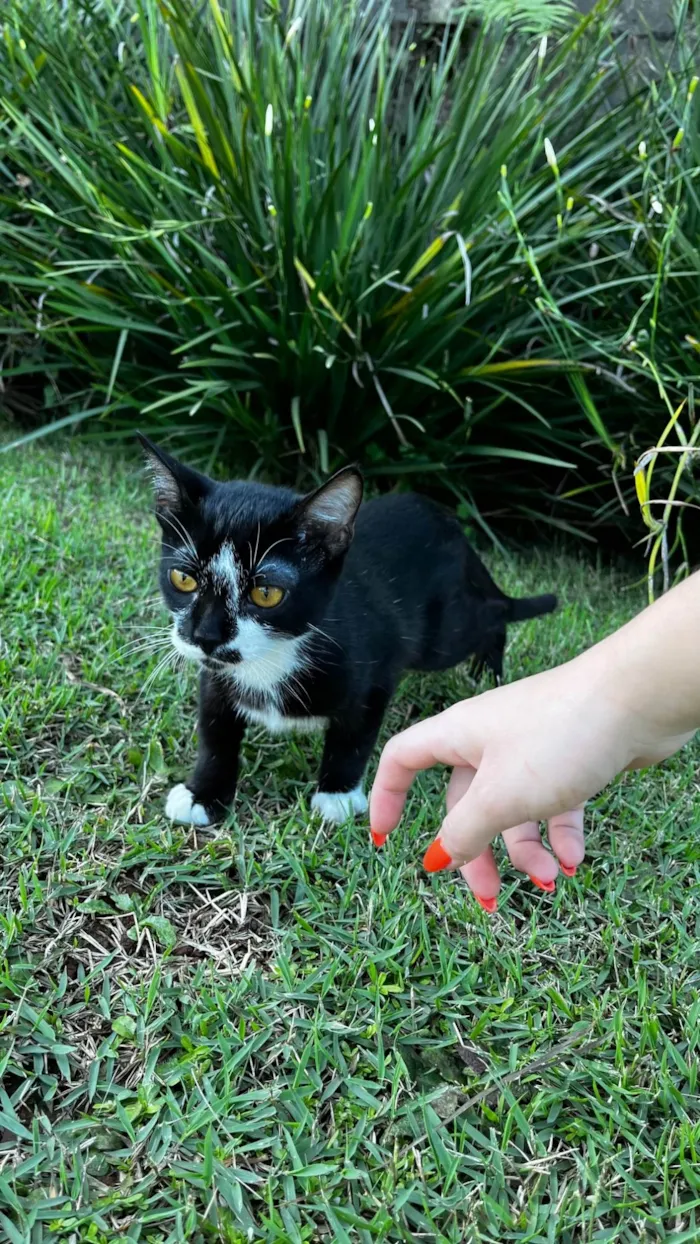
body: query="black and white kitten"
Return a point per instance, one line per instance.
(304, 612)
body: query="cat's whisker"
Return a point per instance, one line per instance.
(163, 627)
(257, 545)
(160, 667)
(142, 626)
(142, 641)
(298, 692)
(137, 658)
(179, 663)
(268, 550)
(311, 659)
(184, 555)
(180, 530)
(151, 677)
(153, 638)
(315, 661)
(189, 542)
(325, 635)
(156, 631)
(140, 650)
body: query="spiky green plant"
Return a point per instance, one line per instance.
(292, 231)
(634, 304)
(529, 16)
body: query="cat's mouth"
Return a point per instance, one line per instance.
(219, 655)
(229, 657)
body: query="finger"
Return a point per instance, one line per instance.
(481, 875)
(527, 852)
(460, 780)
(421, 746)
(566, 838)
(489, 808)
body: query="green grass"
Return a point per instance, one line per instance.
(262, 1034)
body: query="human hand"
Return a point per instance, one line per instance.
(531, 751)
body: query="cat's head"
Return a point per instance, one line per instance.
(245, 567)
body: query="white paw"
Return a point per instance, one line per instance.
(340, 807)
(180, 807)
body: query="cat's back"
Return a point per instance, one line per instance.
(404, 532)
(413, 593)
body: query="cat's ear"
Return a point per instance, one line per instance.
(328, 514)
(175, 485)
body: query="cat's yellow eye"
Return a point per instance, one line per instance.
(183, 582)
(266, 597)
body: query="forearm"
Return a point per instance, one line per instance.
(652, 664)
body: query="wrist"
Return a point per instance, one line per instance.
(619, 699)
(641, 672)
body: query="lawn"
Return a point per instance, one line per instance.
(267, 1032)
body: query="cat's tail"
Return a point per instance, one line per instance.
(531, 607)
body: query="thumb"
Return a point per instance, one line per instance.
(487, 809)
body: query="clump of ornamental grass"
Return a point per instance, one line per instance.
(297, 237)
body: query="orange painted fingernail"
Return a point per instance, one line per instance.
(436, 858)
(378, 839)
(489, 904)
(568, 871)
(549, 886)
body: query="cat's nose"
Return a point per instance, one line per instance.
(208, 646)
(207, 637)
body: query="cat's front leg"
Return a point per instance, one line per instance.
(347, 749)
(208, 794)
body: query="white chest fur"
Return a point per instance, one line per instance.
(269, 663)
(267, 659)
(274, 721)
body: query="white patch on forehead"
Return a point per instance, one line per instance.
(225, 572)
